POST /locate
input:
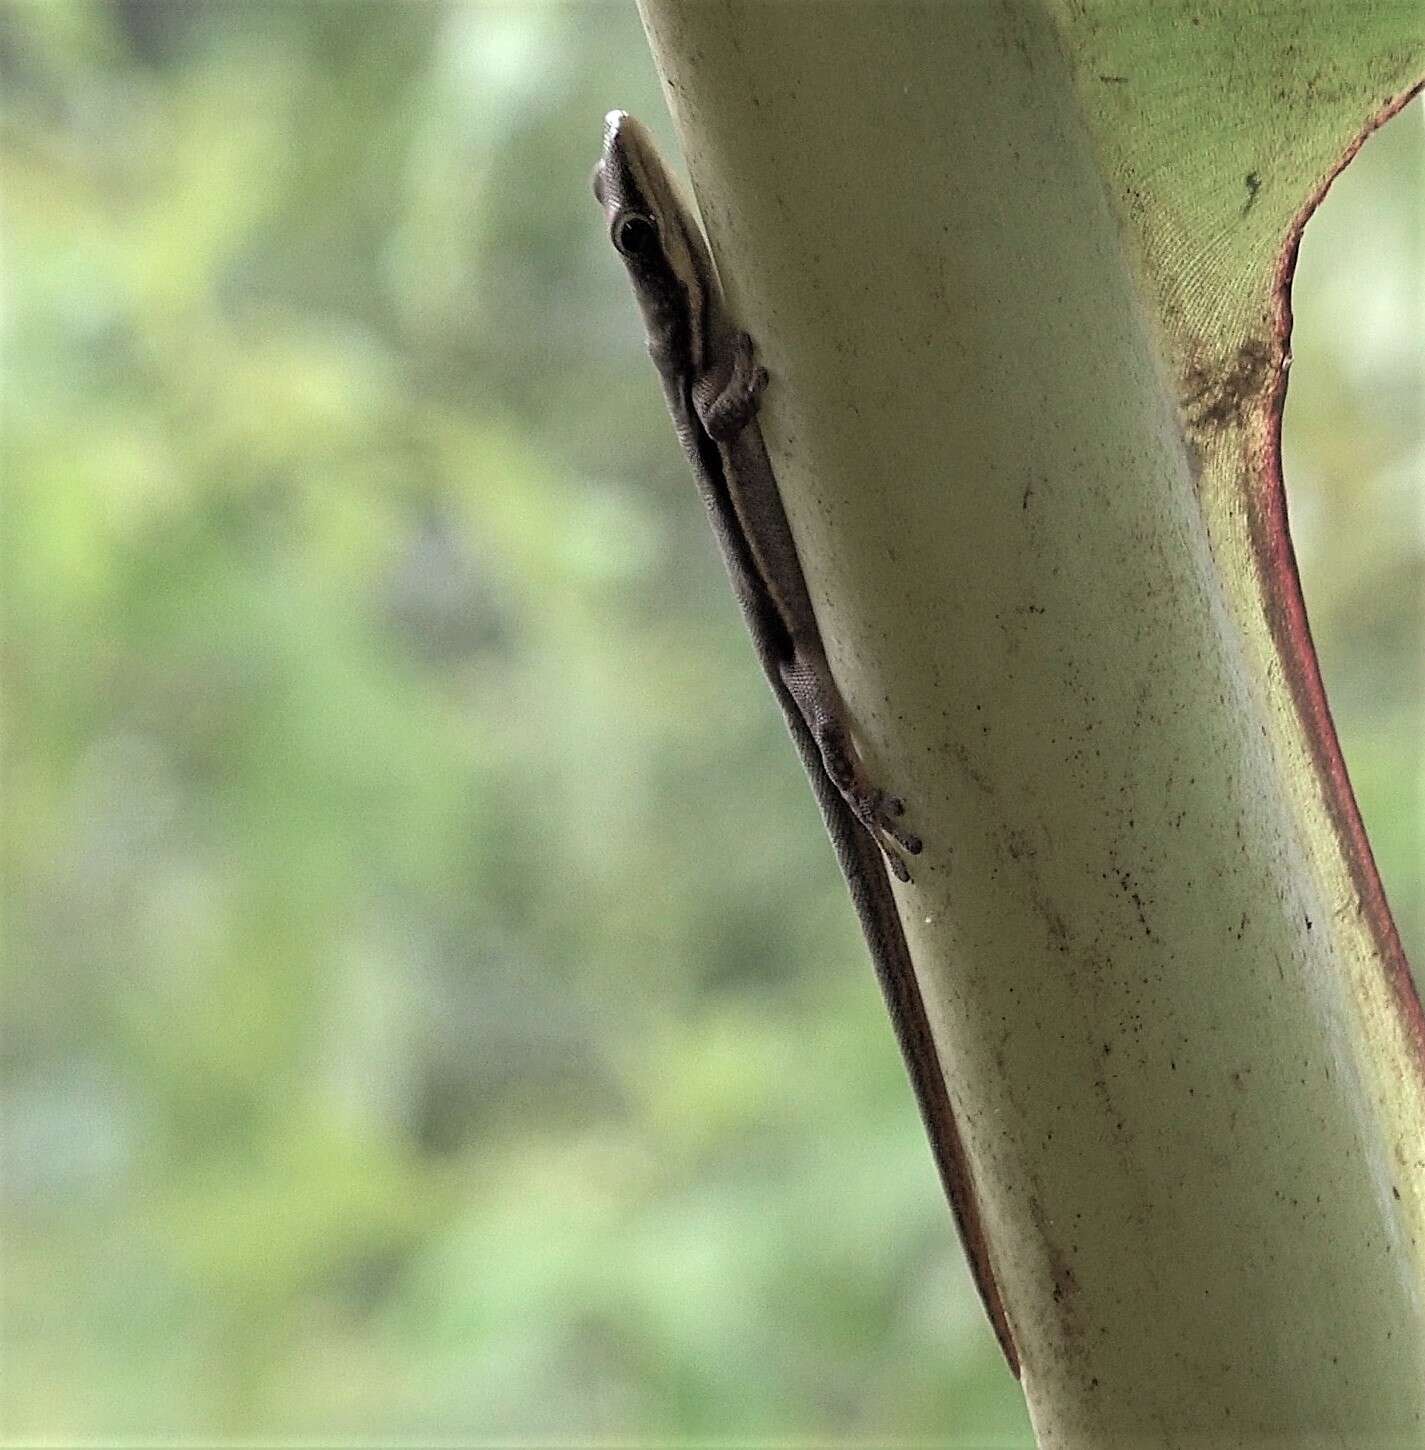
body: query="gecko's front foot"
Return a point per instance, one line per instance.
(727, 404)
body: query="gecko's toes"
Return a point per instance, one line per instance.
(898, 867)
(908, 842)
(893, 840)
(885, 809)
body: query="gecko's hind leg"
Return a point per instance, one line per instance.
(874, 808)
(811, 686)
(727, 404)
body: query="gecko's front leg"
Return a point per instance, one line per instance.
(727, 402)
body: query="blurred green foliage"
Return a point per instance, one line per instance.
(431, 1007)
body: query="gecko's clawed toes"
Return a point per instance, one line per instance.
(898, 867)
(884, 810)
(878, 813)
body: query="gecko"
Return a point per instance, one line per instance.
(713, 383)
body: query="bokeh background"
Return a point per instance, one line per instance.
(431, 1010)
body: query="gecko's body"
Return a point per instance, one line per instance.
(712, 384)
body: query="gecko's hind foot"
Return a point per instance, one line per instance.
(878, 812)
(882, 824)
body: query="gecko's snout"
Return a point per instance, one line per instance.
(614, 124)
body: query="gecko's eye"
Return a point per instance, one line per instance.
(634, 234)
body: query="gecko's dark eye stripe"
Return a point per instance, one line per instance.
(635, 235)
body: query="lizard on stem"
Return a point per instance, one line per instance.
(713, 385)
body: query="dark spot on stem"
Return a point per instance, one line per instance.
(1221, 394)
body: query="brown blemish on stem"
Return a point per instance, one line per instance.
(1225, 393)
(1063, 1282)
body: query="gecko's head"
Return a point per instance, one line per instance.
(651, 228)
(631, 185)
